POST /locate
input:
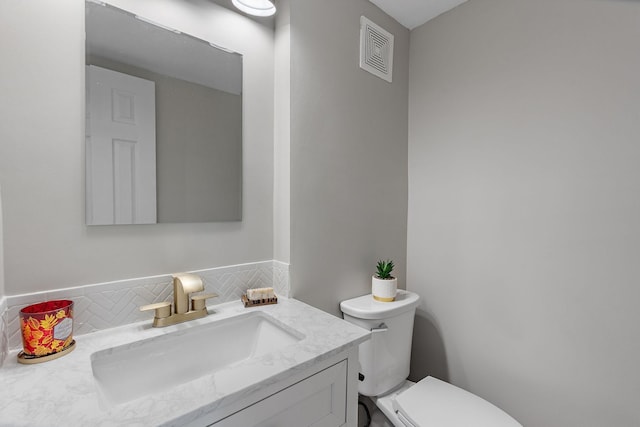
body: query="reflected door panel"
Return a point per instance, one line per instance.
(121, 148)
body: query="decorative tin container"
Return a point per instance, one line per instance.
(47, 331)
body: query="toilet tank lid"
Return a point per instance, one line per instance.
(437, 403)
(365, 307)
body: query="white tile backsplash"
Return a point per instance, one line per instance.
(280, 280)
(107, 305)
(4, 340)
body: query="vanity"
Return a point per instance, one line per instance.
(286, 364)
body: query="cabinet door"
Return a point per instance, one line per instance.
(318, 401)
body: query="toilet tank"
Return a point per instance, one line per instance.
(386, 357)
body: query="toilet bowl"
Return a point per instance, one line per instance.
(384, 368)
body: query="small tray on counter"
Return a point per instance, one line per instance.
(254, 303)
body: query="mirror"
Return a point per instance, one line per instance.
(163, 126)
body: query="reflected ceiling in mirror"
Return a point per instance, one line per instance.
(164, 124)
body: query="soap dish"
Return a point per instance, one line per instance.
(254, 303)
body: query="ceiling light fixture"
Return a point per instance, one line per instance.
(255, 7)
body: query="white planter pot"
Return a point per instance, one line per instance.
(384, 290)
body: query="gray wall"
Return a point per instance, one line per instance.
(524, 206)
(348, 154)
(282, 135)
(199, 154)
(47, 245)
(1, 265)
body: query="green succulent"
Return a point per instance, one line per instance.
(384, 269)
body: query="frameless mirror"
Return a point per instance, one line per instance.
(164, 124)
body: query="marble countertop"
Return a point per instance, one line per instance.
(63, 392)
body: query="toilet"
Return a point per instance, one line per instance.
(384, 368)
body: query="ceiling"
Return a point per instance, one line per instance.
(413, 13)
(410, 13)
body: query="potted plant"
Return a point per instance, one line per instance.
(383, 285)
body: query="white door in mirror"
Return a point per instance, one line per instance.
(120, 148)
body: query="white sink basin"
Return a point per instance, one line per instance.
(156, 364)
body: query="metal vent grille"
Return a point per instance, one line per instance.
(376, 50)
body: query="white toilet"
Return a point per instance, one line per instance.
(384, 367)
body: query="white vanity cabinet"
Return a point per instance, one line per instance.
(319, 400)
(312, 381)
(324, 395)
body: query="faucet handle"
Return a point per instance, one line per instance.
(163, 309)
(198, 301)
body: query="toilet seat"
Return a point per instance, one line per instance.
(432, 402)
(405, 421)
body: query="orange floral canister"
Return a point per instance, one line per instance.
(47, 327)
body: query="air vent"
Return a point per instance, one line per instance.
(376, 50)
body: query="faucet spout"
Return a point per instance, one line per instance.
(183, 285)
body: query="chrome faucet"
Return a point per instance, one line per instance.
(183, 286)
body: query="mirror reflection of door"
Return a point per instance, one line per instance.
(120, 148)
(198, 123)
